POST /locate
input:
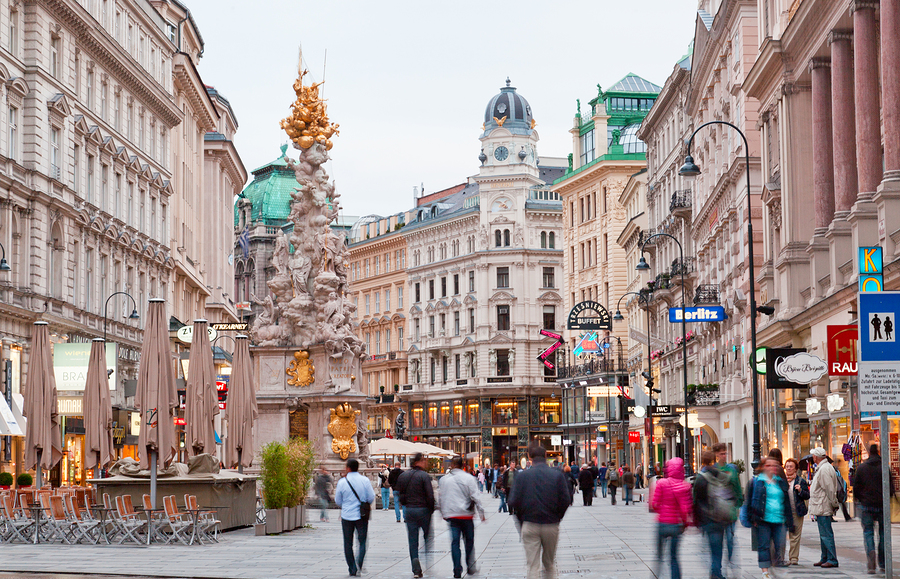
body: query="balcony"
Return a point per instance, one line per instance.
(645, 235)
(688, 265)
(594, 366)
(680, 204)
(707, 294)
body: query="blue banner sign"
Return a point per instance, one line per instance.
(871, 269)
(698, 314)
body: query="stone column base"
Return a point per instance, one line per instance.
(820, 266)
(840, 254)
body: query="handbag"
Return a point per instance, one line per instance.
(365, 509)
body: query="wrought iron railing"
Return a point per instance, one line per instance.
(592, 367)
(687, 265)
(680, 200)
(707, 294)
(647, 234)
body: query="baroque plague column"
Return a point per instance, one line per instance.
(307, 358)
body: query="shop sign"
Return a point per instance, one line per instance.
(70, 364)
(634, 436)
(602, 391)
(129, 354)
(698, 314)
(70, 406)
(792, 368)
(556, 439)
(118, 433)
(135, 423)
(544, 357)
(179, 421)
(589, 315)
(843, 342)
(596, 416)
(229, 327)
(879, 352)
(871, 269)
(186, 334)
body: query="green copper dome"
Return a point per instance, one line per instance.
(270, 193)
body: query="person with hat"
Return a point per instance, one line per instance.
(823, 503)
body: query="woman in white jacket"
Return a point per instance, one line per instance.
(459, 504)
(823, 503)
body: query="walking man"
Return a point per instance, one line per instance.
(392, 482)
(612, 480)
(540, 498)
(586, 484)
(734, 480)
(459, 505)
(322, 482)
(601, 478)
(823, 503)
(417, 498)
(353, 490)
(868, 495)
(714, 508)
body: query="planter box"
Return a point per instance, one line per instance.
(260, 529)
(274, 521)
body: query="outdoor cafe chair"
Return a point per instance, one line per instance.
(180, 524)
(57, 524)
(16, 523)
(86, 528)
(157, 520)
(131, 525)
(208, 525)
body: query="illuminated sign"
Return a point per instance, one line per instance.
(544, 357)
(871, 270)
(699, 314)
(843, 342)
(589, 315)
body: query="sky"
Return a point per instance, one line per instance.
(408, 82)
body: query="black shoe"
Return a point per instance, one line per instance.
(417, 568)
(472, 571)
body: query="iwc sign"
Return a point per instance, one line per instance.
(589, 315)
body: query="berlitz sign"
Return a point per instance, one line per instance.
(698, 314)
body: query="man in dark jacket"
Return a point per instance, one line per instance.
(540, 498)
(709, 481)
(586, 484)
(417, 498)
(867, 493)
(392, 482)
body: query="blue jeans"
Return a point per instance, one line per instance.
(362, 528)
(603, 487)
(323, 508)
(729, 540)
(464, 528)
(826, 539)
(502, 508)
(672, 532)
(715, 535)
(769, 538)
(480, 487)
(397, 505)
(870, 517)
(628, 497)
(418, 518)
(385, 499)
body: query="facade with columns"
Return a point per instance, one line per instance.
(827, 77)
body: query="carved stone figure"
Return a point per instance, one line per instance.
(362, 441)
(281, 255)
(512, 359)
(342, 428)
(519, 237)
(400, 425)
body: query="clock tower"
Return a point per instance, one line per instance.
(509, 141)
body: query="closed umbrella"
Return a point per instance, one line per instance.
(156, 395)
(43, 444)
(201, 403)
(241, 410)
(97, 406)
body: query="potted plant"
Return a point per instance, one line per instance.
(396, 388)
(24, 480)
(302, 463)
(381, 388)
(276, 485)
(6, 480)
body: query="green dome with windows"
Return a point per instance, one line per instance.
(269, 194)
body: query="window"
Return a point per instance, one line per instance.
(587, 147)
(503, 318)
(472, 418)
(13, 32)
(543, 240)
(433, 372)
(548, 410)
(54, 56)
(417, 415)
(431, 289)
(376, 266)
(130, 214)
(418, 295)
(471, 320)
(456, 284)
(387, 340)
(444, 379)
(117, 31)
(503, 370)
(104, 108)
(457, 369)
(549, 277)
(443, 287)
(416, 333)
(377, 302)
(443, 324)
(117, 112)
(54, 153)
(88, 278)
(76, 169)
(367, 304)
(502, 277)
(472, 281)
(387, 300)
(506, 237)
(498, 238)
(90, 89)
(400, 297)
(104, 186)
(430, 326)
(90, 179)
(367, 267)
(378, 342)
(549, 317)
(455, 323)
(13, 133)
(400, 338)
(552, 240)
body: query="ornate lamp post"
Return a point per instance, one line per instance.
(134, 315)
(3, 265)
(643, 266)
(648, 375)
(690, 170)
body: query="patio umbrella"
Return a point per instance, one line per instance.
(156, 394)
(43, 444)
(391, 446)
(201, 403)
(432, 450)
(241, 409)
(97, 405)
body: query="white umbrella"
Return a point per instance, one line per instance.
(432, 450)
(392, 446)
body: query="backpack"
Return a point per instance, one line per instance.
(721, 499)
(842, 487)
(745, 509)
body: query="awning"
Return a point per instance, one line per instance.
(12, 423)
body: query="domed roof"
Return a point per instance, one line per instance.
(270, 192)
(508, 110)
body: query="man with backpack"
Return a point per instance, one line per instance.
(612, 480)
(823, 503)
(734, 479)
(714, 508)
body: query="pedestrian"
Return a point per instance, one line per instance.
(480, 480)
(714, 508)
(672, 503)
(612, 480)
(352, 492)
(639, 476)
(323, 480)
(867, 493)
(417, 497)
(798, 496)
(392, 481)
(540, 498)
(601, 478)
(385, 487)
(495, 473)
(770, 513)
(586, 484)
(501, 491)
(488, 479)
(595, 472)
(509, 477)
(823, 503)
(628, 483)
(459, 505)
(721, 451)
(572, 482)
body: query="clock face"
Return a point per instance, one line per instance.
(501, 153)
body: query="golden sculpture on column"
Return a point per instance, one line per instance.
(301, 369)
(343, 428)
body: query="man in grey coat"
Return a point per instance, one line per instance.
(823, 503)
(459, 504)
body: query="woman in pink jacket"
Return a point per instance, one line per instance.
(672, 503)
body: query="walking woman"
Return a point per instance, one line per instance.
(481, 480)
(572, 481)
(770, 513)
(672, 503)
(799, 495)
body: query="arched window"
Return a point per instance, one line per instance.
(543, 240)
(57, 259)
(498, 238)
(238, 274)
(552, 244)
(249, 279)
(506, 237)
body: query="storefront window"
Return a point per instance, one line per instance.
(506, 412)
(417, 416)
(549, 411)
(579, 406)
(472, 418)
(433, 415)
(459, 417)
(445, 415)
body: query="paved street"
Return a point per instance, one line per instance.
(600, 541)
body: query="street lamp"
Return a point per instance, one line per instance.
(3, 265)
(690, 169)
(643, 266)
(648, 374)
(134, 315)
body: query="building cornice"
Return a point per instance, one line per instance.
(188, 79)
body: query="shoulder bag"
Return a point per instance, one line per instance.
(365, 509)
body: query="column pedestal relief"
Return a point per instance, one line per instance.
(840, 263)
(819, 266)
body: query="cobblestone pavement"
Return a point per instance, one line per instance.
(602, 541)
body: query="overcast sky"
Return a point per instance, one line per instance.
(409, 81)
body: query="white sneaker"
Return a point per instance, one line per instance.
(766, 575)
